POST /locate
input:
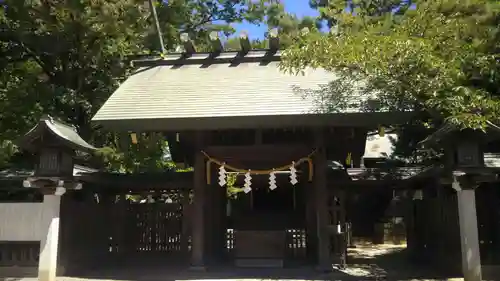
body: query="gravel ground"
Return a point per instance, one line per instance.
(387, 262)
(365, 262)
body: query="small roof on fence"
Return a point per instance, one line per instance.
(446, 130)
(205, 92)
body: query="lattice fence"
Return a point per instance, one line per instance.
(296, 243)
(129, 228)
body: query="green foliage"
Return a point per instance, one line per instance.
(372, 10)
(441, 57)
(147, 155)
(231, 189)
(7, 149)
(289, 25)
(65, 58)
(233, 44)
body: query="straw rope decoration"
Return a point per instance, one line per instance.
(258, 172)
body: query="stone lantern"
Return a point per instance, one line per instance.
(55, 145)
(466, 149)
(463, 148)
(465, 170)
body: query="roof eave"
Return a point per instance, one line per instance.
(441, 133)
(359, 119)
(47, 124)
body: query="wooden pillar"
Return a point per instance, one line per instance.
(214, 211)
(340, 246)
(187, 220)
(410, 227)
(219, 225)
(47, 264)
(209, 227)
(321, 199)
(471, 261)
(64, 243)
(198, 226)
(311, 231)
(441, 235)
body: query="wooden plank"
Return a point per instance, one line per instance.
(267, 153)
(258, 157)
(124, 183)
(186, 222)
(260, 244)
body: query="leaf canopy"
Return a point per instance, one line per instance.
(441, 56)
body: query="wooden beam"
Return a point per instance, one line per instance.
(266, 153)
(274, 40)
(363, 119)
(188, 44)
(245, 42)
(217, 47)
(371, 185)
(476, 178)
(147, 181)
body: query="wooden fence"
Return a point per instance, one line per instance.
(107, 233)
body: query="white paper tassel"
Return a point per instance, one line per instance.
(248, 182)
(272, 181)
(222, 176)
(293, 174)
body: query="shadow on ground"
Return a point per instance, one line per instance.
(215, 273)
(365, 262)
(390, 262)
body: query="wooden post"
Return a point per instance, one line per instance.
(187, 219)
(441, 235)
(311, 228)
(471, 260)
(210, 212)
(47, 264)
(321, 198)
(219, 227)
(198, 227)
